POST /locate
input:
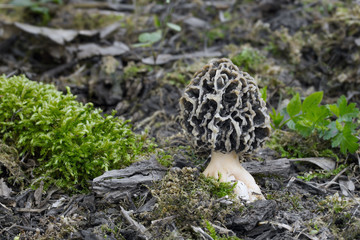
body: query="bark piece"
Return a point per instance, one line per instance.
(278, 167)
(260, 211)
(117, 184)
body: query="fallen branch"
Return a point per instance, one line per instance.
(137, 226)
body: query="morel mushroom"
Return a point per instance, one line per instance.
(222, 110)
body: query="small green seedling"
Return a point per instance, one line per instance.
(333, 122)
(277, 119)
(147, 39)
(263, 92)
(37, 7)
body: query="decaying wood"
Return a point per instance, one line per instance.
(327, 164)
(282, 166)
(202, 233)
(121, 183)
(38, 194)
(327, 185)
(137, 226)
(311, 187)
(277, 224)
(222, 230)
(8, 209)
(277, 167)
(261, 211)
(162, 220)
(31, 210)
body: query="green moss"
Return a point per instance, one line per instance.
(32, 11)
(72, 142)
(214, 235)
(91, 21)
(192, 198)
(218, 188)
(339, 216)
(293, 145)
(248, 59)
(215, 34)
(322, 174)
(165, 158)
(132, 70)
(283, 44)
(177, 79)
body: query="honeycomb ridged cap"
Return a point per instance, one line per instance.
(222, 109)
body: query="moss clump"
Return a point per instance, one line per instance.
(189, 198)
(89, 21)
(72, 142)
(248, 60)
(339, 214)
(132, 70)
(293, 145)
(9, 158)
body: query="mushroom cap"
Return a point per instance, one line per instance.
(222, 109)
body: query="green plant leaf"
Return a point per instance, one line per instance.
(318, 115)
(312, 101)
(334, 109)
(152, 37)
(276, 118)
(344, 111)
(157, 22)
(294, 106)
(291, 124)
(248, 59)
(173, 26)
(304, 127)
(346, 140)
(263, 92)
(331, 132)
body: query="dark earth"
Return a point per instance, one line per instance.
(105, 58)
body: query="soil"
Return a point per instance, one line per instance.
(295, 46)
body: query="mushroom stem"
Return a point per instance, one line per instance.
(228, 166)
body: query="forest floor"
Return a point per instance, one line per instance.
(136, 57)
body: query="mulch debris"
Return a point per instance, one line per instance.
(91, 47)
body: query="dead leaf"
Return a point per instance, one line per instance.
(160, 59)
(106, 31)
(327, 164)
(165, 58)
(91, 49)
(357, 41)
(196, 22)
(346, 187)
(59, 36)
(5, 191)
